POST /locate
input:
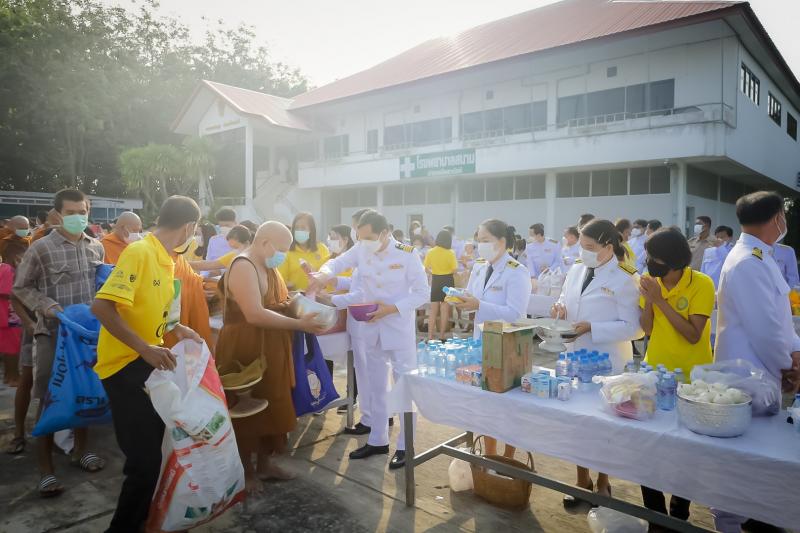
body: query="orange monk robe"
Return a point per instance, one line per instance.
(10, 238)
(194, 309)
(39, 233)
(113, 246)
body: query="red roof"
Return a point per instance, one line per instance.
(551, 26)
(273, 109)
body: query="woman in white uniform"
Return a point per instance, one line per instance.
(499, 287)
(601, 297)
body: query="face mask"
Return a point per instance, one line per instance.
(636, 232)
(784, 232)
(75, 224)
(334, 245)
(198, 240)
(23, 232)
(301, 236)
(276, 260)
(698, 229)
(487, 250)
(657, 270)
(133, 237)
(224, 231)
(371, 247)
(183, 248)
(589, 258)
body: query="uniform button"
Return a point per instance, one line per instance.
(379, 285)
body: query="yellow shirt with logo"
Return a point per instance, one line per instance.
(441, 261)
(693, 295)
(294, 276)
(630, 257)
(228, 258)
(142, 286)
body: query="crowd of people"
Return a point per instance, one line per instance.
(625, 280)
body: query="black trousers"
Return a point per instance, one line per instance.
(654, 500)
(355, 383)
(139, 433)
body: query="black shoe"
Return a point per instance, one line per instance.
(358, 429)
(398, 460)
(368, 451)
(391, 421)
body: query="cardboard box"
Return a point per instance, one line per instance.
(507, 354)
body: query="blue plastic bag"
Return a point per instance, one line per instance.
(313, 388)
(101, 274)
(75, 396)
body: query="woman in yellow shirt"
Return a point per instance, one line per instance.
(624, 227)
(676, 304)
(304, 248)
(238, 239)
(440, 262)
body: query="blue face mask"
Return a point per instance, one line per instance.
(75, 224)
(22, 232)
(276, 260)
(301, 236)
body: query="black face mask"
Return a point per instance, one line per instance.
(657, 270)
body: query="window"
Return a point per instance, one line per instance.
(564, 185)
(659, 180)
(471, 191)
(774, 109)
(392, 195)
(439, 193)
(539, 115)
(504, 120)
(414, 194)
(490, 95)
(791, 126)
(372, 141)
(607, 102)
(529, 187)
(572, 184)
(652, 98)
(571, 108)
(662, 95)
(611, 72)
(336, 146)
(636, 98)
(640, 180)
(649, 180)
(361, 197)
(422, 133)
(730, 191)
(499, 189)
(618, 182)
(471, 124)
(750, 85)
(600, 182)
(493, 121)
(516, 119)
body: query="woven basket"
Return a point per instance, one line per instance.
(497, 489)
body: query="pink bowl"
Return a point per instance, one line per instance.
(360, 311)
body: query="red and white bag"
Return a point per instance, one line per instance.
(201, 472)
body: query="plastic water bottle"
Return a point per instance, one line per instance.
(608, 368)
(450, 370)
(439, 362)
(452, 292)
(422, 358)
(562, 366)
(679, 376)
(585, 370)
(666, 389)
(630, 367)
(594, 362)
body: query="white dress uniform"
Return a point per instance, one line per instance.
(394, 276)
(569, 254)
(713, 259)
(610, 303)
(637, 245)
(541, 255)
(505, 295)
(787, 262)
(755, 317)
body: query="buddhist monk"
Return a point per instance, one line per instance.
(17, 232)
(257, 325)
(53, 219)
(128, 229)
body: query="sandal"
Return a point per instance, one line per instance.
(16, 446)
(49, 486)
(89, 462)
(570, 502)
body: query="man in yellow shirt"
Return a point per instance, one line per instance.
(133, 307)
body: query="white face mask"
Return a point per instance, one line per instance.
(589, 258)
(334, 245)
(785, 230)
(371, 247)
(487, 250)
(636, 232)
(698, 229)
(133, 237)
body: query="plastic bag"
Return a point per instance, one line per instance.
(629, 395)
(557, 279)
(75, 397)
(544, 283)
(101, 274)
(201, 472)
(460, 474)
(313, 382)
(605, 520)
(743, 375)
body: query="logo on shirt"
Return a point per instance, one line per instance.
(163, 326)
(396, 266)
(132, 278)
(156, 283)
(683, 303)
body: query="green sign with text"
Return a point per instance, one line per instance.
(438, 164)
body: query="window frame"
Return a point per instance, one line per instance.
(774, 108)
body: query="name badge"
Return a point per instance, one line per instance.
(607, 291)
(496, 289)
(396, 266)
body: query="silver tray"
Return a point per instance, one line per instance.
(715, 419)
(301, 305)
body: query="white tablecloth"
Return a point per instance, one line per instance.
(756, 475)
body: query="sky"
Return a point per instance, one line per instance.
(331, 39)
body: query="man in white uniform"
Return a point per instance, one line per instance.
(787, 262)
(714, 258)
(755, 319)
(571, 249)
(542, 253)
(390, 274)
(638, 238)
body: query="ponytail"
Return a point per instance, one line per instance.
(500, 230)
(605, 233)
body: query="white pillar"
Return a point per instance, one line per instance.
(677, 173)
(248, 166)
(550, 215)
(454, 208)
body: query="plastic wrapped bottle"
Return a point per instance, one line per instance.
(562, 365)
(666, 390)
(680, 377)
(422, 358)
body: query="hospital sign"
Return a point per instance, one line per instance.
(446, 163)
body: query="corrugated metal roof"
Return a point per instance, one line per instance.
(551, 26)
(273, 109)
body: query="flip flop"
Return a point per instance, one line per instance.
(49, 486)
(88, 463)
(16, 446)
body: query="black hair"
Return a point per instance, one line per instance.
(419, 238)
(654, 224)
(398, 235)
(705, 220)
(671, 247)
(444, 239)
(207, 230)
(69, 195)
(41, 217)
(605, 233)
(758, 207)
(106, 226)
(241, 234)
(343, 230)
(538, 229)
(249, 224)
(500, 230)
(642, 223)
(572, 230)
(226, 214)
(357, 215)
(177, 211)
(311, 243)
(375, 220)
(622, 224)
(724, 229)
(584, 219)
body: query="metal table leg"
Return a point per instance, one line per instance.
(408, 423)
(351, 378)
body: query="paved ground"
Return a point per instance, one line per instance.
(330, 494)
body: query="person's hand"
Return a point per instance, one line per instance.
(790, 378)
(650, 290)
(159, 357)
(582, 328)
(182, 332)
(382, 311)
(469, 303)
(317, 282)
(559, 311)
(325, 298)
(310, 324)
(53, 310)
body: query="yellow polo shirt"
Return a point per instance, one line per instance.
(693, 295)
(294, 276)
(142, 286)
(630, 258)
(440, 261)
(228, 258)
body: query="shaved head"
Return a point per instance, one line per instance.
(19, 222)
(274, 233)
(127, 223)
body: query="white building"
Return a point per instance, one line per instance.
(644, 109)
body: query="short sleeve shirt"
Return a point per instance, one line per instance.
(441, 261)
(293, 274)
(142, 286)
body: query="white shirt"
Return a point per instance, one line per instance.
(458, 247)
(755, 317)
(217, 247)
(568, 256)
(611, 304)
(713, 259)
(504, 296)
(637, 245)
(541, 255)
(787, 262)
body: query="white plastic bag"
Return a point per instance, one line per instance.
(742, 375)
(543, 285)
(201, 473)
(605, 520)
(629, 395)
(557, 279)
(460, 474)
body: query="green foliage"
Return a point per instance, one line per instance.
(81, 82)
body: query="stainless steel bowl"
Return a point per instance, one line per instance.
(301, 305)
(715, 419)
